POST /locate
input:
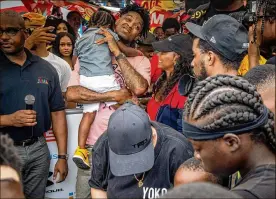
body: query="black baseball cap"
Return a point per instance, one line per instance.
(179, 43)
(223, 33)
(129, 135)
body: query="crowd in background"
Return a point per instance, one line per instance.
(187, 109)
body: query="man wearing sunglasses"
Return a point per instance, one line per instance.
(22, 74)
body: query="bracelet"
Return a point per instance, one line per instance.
(65, 157)
(120, 56)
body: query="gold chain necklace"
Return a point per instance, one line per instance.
(140, 182)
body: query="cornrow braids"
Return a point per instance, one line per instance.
(164, 85)
(225, 101)
(102, 18)
(8, 154)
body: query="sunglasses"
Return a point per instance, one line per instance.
(10, 31)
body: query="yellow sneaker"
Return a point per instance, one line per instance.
(81, 158)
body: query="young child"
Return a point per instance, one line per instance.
(96, 73)
(192, 171)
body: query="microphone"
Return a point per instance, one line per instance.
(29, 100)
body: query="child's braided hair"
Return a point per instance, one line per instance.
(224, 101)
(8, 153)
(102, 18)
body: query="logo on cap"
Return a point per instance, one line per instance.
(245, 45)
(142, 143)
(213, 40)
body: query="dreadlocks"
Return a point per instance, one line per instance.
(268, 8)
(143, 13)
(225, 101)
(101, 18)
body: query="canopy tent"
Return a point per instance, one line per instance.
(159, 9)
(50, 7)
(17, 6)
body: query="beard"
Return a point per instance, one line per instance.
(203, 72)
(221, 4)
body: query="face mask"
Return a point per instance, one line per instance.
(221, 4)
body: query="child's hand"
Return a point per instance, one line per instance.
(109, 39)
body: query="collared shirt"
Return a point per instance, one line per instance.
(36, 77)
(257, 183)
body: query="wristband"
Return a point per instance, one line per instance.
(65, 157)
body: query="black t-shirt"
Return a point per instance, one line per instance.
(206, 11)
(36, 77)
(171, 150)
(258, 183)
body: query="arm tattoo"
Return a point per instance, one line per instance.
(134, 81)
(79, 94)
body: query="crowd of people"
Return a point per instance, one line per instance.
(186, 111)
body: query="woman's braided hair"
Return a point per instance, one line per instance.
(224, 101)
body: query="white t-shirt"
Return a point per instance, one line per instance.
(63, 69)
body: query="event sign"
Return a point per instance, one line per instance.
(160, 10)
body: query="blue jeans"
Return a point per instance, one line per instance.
(35, 160)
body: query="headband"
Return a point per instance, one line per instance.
(196, 133)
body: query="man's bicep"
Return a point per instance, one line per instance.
(98, 194)
(65, 78)
(100, 165)
(56, 101)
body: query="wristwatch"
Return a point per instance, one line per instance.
(120, 56)
(65, 157)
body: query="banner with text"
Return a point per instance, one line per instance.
(160, 10)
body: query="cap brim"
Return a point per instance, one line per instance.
(195, 29)
(161, 46)
(124, 165)
(185, 85)
(143, 44)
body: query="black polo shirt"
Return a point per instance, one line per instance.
(36, 77)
